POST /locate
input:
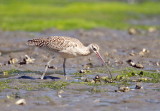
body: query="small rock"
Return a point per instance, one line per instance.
(89, 59)
(21, 102)
(138, 86)
(132, 53)
(109, 81)
(157, 63)
(118, 61)
(82, 71)
(92, 81)
(8, 97)
(143, 79)
(97, 78)
(106, 54)
(52, 67)
(141, 73)
(132, 31)
(0, 53)
(117, 91)
(144, 52)
(13, 61)
(104, 77)
(86, 80)
(124, 89)
(29, 59)
(131, 63)
(152, 29)
(59, 93)
(134, 80)
(141, 53)
(22, 62)
(139, 66)
(89, 65)
(60, 96)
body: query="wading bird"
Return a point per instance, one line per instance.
(65, 47)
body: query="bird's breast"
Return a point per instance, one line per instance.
(73, 52)
(69, 52)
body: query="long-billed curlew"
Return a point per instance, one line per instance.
(65, 47)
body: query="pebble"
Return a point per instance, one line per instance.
(139, 66)
(52, 67)
(152, 29)
(13, 61)
(144, 52)
(132, 53)
(106, 53)
(157, 63)
(59, 93)
(97, 78)
(138, 86)
(132, 31)
(131, 63)
(143, 79)
(86, 80)
(92, 81)
(21, 102)
(122, 89)
(118, 61)
(27, 60)
(82, 71)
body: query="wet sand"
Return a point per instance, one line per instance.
(116, 48)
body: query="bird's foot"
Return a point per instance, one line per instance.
(42, 77)
(66, 77)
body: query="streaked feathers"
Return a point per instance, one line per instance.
(56, 43)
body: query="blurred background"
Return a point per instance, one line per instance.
(37, 15)
(127, 31)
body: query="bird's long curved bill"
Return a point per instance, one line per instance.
(100, 57)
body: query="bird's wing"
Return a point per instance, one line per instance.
(61, 43)
(56, 43)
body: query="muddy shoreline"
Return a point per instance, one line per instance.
(116, 48)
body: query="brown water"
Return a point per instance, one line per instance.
(118, 45)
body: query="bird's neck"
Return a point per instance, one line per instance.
(86, 51)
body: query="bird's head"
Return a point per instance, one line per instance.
(95, 48)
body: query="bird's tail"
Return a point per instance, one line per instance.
(32, 42)
(36, 42)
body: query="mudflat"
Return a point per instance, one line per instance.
(133, 58)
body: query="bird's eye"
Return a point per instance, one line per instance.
(94, 49)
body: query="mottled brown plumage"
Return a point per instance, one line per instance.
(56, 42)
(65, 47)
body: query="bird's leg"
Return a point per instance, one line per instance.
(64, 67)
(42, 77)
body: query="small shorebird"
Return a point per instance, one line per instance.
(65, 47)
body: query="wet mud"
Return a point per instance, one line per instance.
(21, 67)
